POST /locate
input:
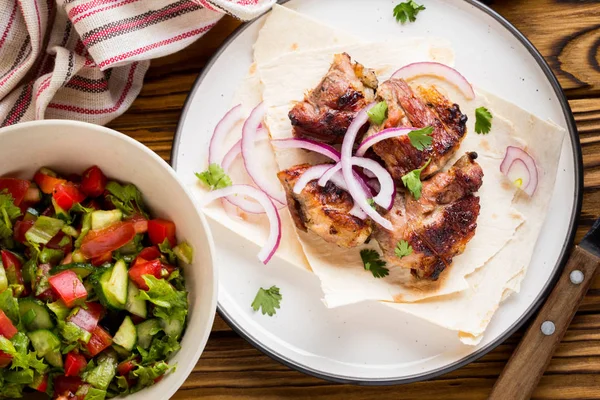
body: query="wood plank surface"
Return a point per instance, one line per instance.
(567, 33)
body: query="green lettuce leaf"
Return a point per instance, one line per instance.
(10, 306)
(147, 375)
(126, 198)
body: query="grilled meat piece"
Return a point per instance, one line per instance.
(426, 107)
(324, 210)
(329, 108)
(439, 225)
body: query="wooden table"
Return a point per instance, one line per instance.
(567, 32)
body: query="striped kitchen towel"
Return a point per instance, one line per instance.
(86, 59)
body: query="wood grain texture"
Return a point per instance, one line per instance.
(567, 33)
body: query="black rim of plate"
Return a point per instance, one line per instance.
(577, 200)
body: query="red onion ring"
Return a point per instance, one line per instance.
(224, 126)
(439, 70)
(252, 162)
(236, 149)
(314, 173)
(515, 156)
(378, 137)
(354, 188)
(308, 144)
(274, 238)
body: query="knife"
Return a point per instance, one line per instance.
(526, 366)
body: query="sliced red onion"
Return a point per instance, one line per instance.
(274, 238)
(374, 185)
(315, 172)
(334, 170)
(378, 137)
(520, 168)
(436, 69)
(308, 144)
(236, 149)
(252, 160)
(224, 126)
(354, 187)
(385, 197)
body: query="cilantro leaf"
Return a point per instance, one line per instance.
(371, 202)
(412, 181)
(483, 120)
(126, 198)
(403, 249)
(373, 263)
(214, 177)
(421, 138)
(267, 300)
(407, 11)
(378, 112)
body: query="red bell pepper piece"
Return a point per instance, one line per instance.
(7, 329)
(99, 242)
(74, 364)
(55, 243)
(85, 319)
(65, 385)
(68, 286)
(148, 268)
(12, 266)
(99, 341)
(5, 359)
(21, 227)
(46, 183)
(101, 259)
(16, 187)
(159, 230)
(93, 181)
(149, 253)
(67, 195)
(40, 383)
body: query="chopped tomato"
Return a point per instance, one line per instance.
(149, 253)
(67, 195)
(48, 295)
(40, 383)
(7, 329)
(125, 367)
(68, 286)
(99, 341)
(148, 268)
(85, 319)
(99, 242)
(16, 187)
(139, 223)
(46, 183)
(5, 359)
(94, 205)
(74, 364)
(21, 227)
(93, 182)
(12, 266)
(159, 378)
(63, 385)
(61, 242)
(95, 309)
(136, 319)
(159, 230)
(101, 259)
(168, 270)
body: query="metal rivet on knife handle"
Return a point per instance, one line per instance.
(576, 277)
(548, 328)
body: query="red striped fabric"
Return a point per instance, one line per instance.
(86, 59)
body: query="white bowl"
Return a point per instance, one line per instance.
(70, 146)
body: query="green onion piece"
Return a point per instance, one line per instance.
(29, 270)
(28, 317)
(59, 309)
(86, 225)
(44, 229)
(51, 256)
(70, 231)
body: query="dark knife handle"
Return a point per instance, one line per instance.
(531, 358)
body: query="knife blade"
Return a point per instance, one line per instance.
(527, 364)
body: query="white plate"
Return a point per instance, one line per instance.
(370, 343)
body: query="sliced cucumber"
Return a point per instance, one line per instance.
(134, 305)
(146, 331)
(172, 328)
(112, 285)
(126, 336)
(102, 219)
(47, 345)
(42, 318)
(81, 269)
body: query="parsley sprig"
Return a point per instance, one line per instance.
(412, 181)
(407, 11)
(483, 120)
(267, 300)
(403, 249)
(421, 138)
(373, 263)
(214, 177)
